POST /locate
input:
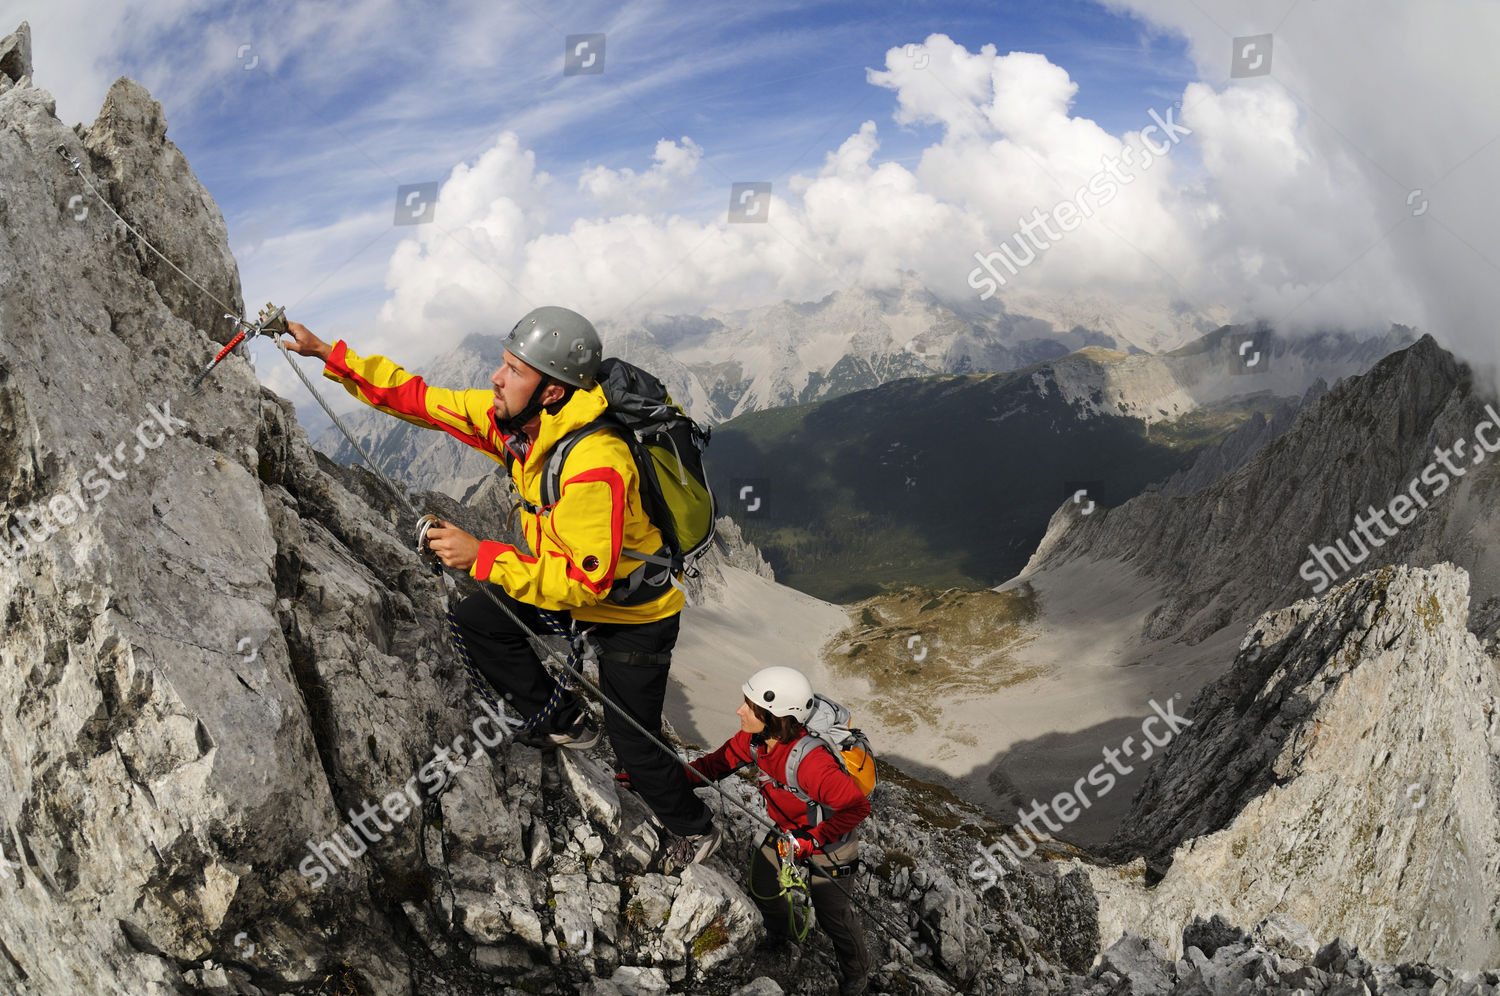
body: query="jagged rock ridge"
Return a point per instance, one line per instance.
(1345, 771)
(1235, 548)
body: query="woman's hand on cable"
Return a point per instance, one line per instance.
(305, 343)
(453, 546)
(799, 848)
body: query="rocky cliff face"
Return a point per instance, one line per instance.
(1346, 771)
(1240, 445)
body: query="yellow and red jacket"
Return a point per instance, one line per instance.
(576, 550)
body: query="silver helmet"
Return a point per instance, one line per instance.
(560, 343)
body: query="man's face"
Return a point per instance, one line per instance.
(514, 382)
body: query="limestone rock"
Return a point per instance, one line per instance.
(1212, 934)
(541, 846)
(477, 818)
(594, 787)
(759, 987)
(633, 980)
(573, 920)
(1344, 772)
(15, 54)
(150, 184)
(1143, 962)
(712, 920)
(1287, 937)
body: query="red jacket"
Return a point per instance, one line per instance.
(819, 775)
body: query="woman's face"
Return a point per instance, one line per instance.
(748, 721)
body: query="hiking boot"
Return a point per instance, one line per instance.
(690, 850)
(855, 987)
(774, 941)
(581, 734)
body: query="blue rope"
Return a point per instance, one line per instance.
(556, 623)
(576, 648)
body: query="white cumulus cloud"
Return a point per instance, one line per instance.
(1252, 199)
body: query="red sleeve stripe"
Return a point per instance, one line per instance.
(337, 362)
(574, 574)
(611, 477)
(490, 551)
(409, 397)
(474, 440)
(463, 437)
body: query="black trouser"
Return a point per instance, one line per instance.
(830, 898)
(633, 664)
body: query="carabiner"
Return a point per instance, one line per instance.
(424, 525)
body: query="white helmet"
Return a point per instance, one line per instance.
(781, 691)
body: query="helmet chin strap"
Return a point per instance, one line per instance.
(518, 421)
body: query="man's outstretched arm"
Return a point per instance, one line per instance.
(382, 384)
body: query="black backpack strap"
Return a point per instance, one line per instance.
(642, 584)
(552, 473)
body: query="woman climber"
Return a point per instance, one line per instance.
(817, 822)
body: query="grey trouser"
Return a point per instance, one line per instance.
(831, 890)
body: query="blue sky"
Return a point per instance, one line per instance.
(1290, 200)
(332, 116)
(765, 91)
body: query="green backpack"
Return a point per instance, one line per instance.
(667, 447)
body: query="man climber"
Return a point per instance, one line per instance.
(545, 388)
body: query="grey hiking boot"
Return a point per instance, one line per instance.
(581, 734)
(691, 850)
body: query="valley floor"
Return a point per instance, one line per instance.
(1095, 679)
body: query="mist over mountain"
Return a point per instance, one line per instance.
(718, 366)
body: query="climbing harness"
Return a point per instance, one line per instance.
(271, 322)
(789, 881)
